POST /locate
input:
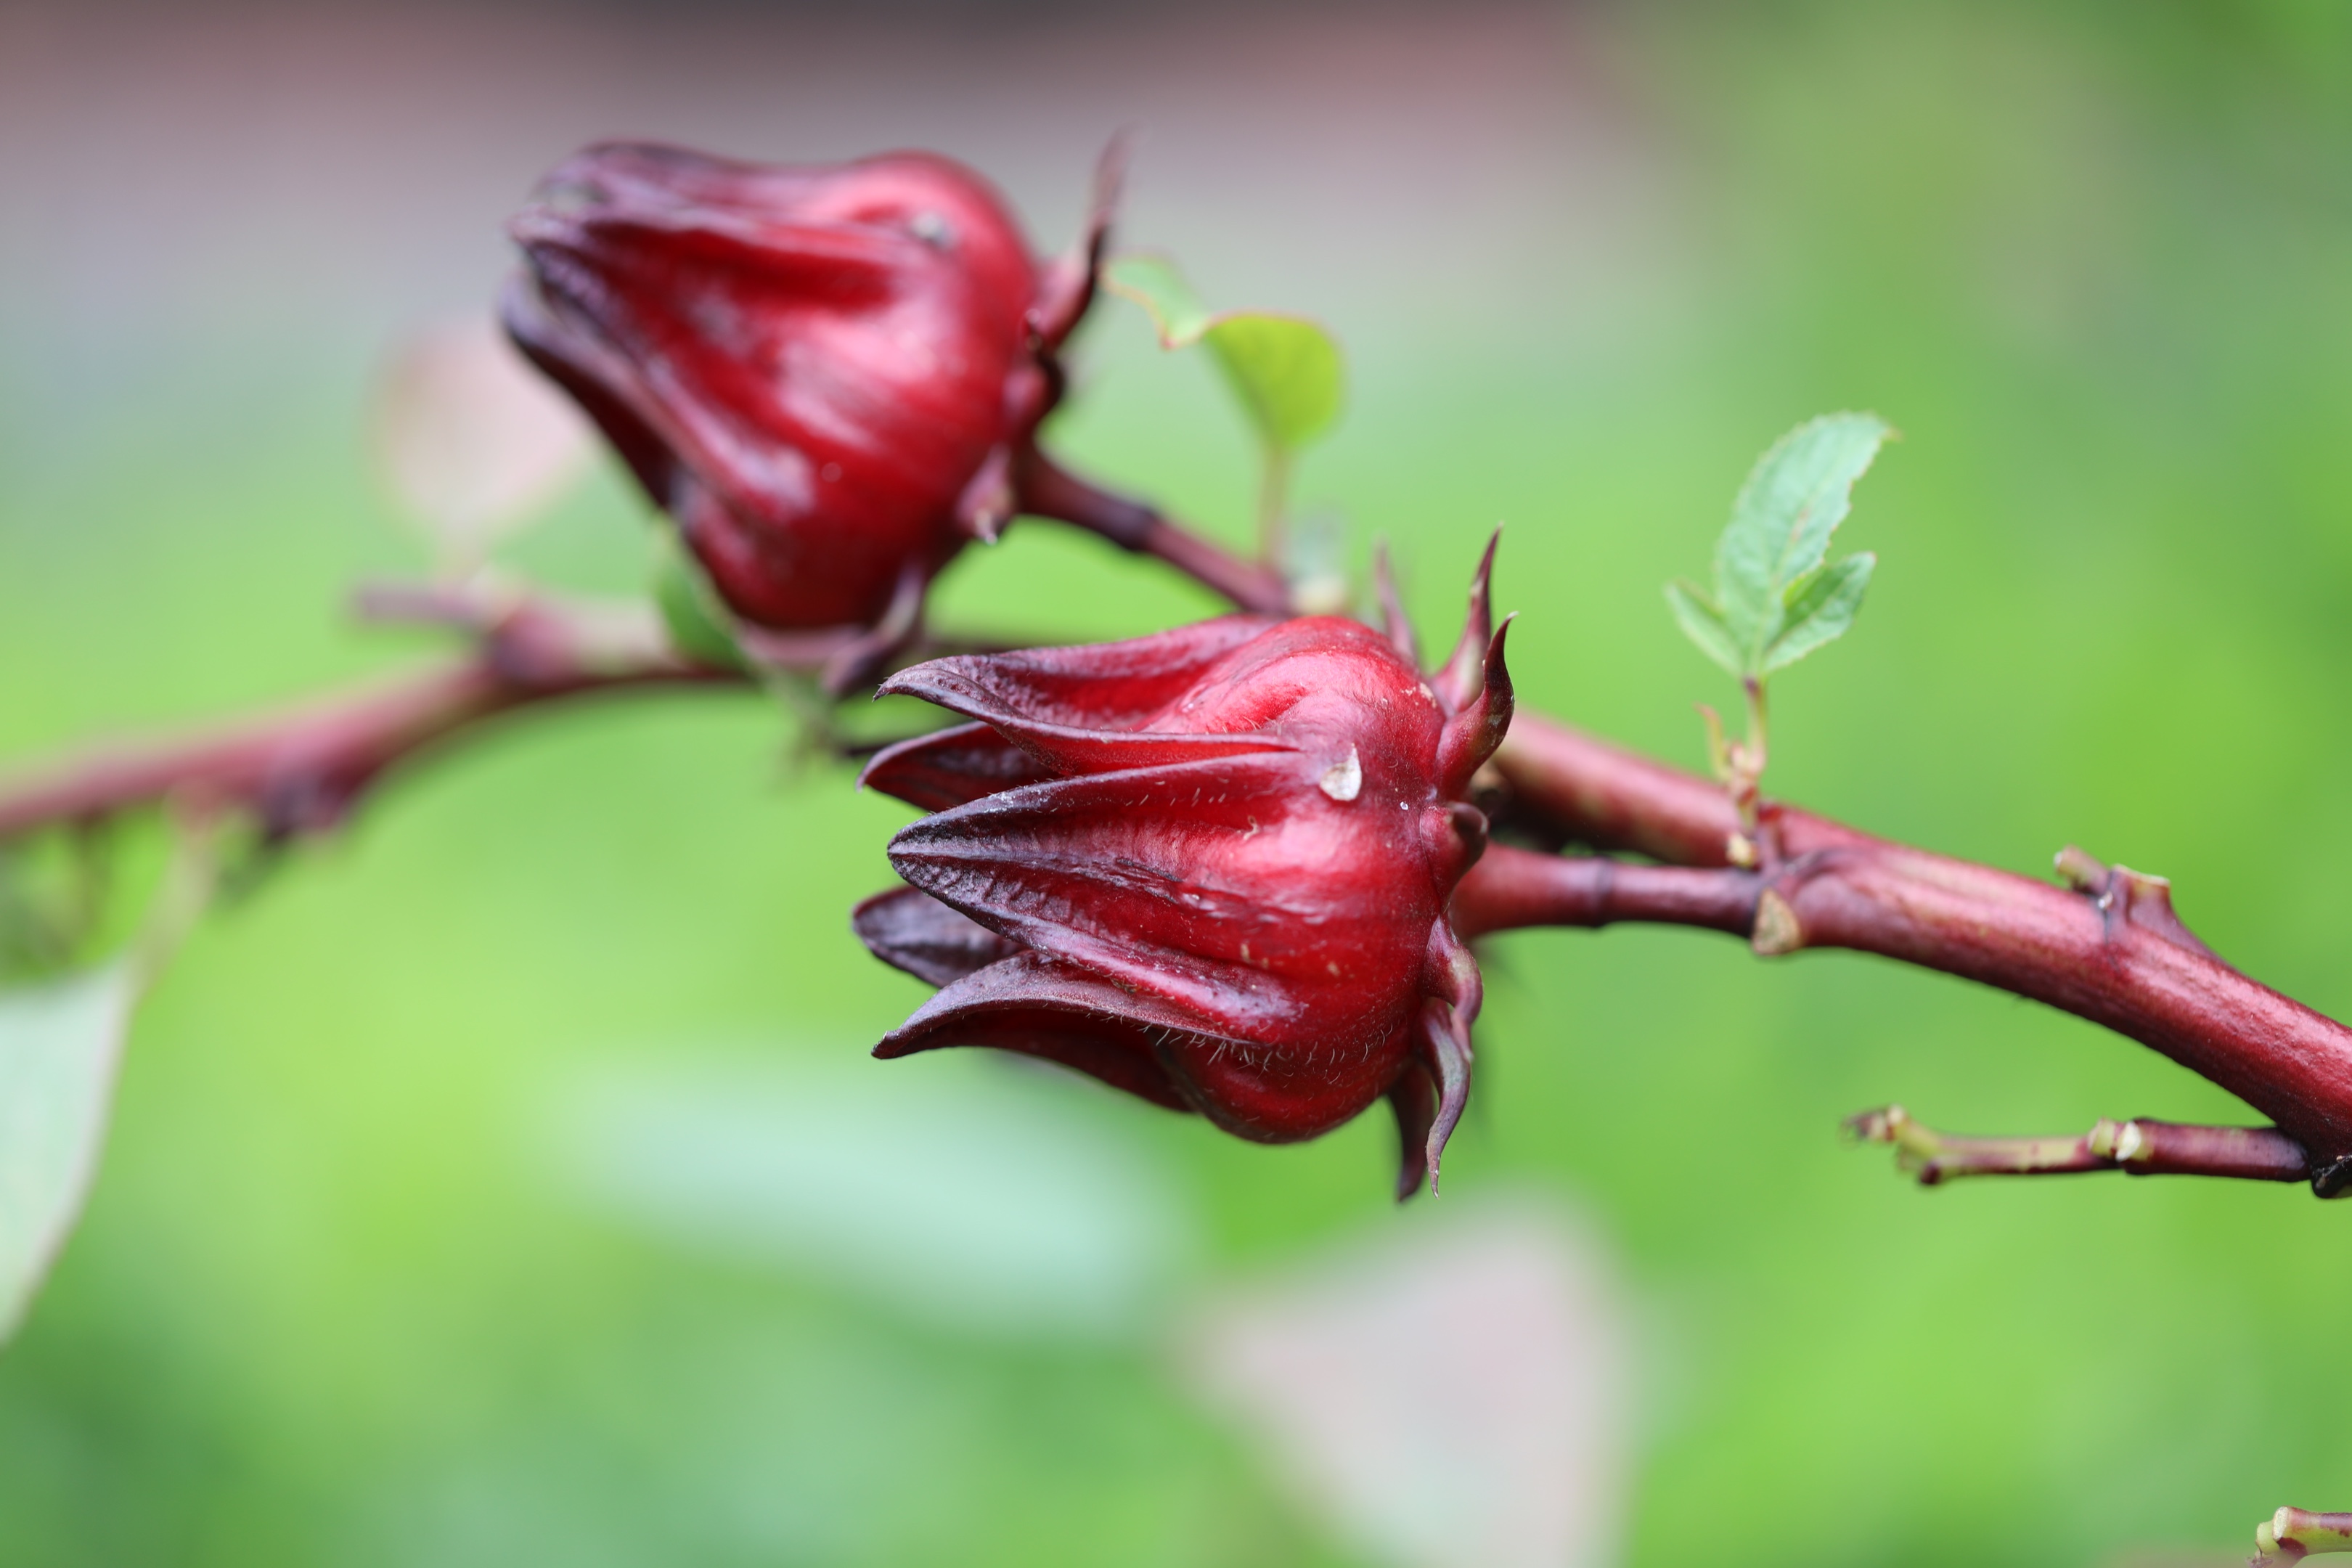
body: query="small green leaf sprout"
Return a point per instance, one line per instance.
(1777, 598)
(1287, 371)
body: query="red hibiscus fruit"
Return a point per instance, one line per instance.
(1211, 866)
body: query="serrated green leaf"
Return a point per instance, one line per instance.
(1820, 610)
(59, 1044)
(1781, 524)
(1285, 370)
(1151, 281)
(1703, 624)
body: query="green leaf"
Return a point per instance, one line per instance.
(691, 610)
(1703, 624)
(59, 1043)
(1781, 523)
(1287, 371)
(1820, 609)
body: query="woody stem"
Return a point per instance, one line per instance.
(1753, 756)
(301, 768)
(2113, 951)
(1047, 490)
(2142, 1147)
(2109, 949)
(1273, 501)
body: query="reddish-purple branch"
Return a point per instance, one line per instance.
(2112, 952)
(2140, 1147)
(1047, 490)
(1510, 889)
(300, 771)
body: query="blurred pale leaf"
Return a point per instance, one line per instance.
(59, 1044)
(690, 611)
(1315, 563)
(1780, 525)
(473, 444)
(977, 1195)
(1453, 1395)
(1287, 371)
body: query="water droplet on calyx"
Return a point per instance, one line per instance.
(1343, 780)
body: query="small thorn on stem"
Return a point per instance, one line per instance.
(2128, 896)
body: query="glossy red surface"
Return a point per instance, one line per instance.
(806, 367)
(1209, 867)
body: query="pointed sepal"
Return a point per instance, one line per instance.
(1444, 1050)
(1478, 726)
(908, 930)
(1456, 990)
(1394, 623)
(1067, 286)
(988, 501)
(863, 657)
(1413, 1100)
(949, 767)
(1075, 709)
(1039, 1006)
(1458, 681)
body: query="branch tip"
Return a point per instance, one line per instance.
(2139, 1147)
(2294, 1534)
(2080, 871)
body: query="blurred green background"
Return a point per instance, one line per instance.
(343, 1294)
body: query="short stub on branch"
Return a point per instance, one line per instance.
(1936, 1158)
(1777, 931)
(2128, 896)
(2292, 1534)
(2139, 1147)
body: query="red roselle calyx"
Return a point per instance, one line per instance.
(827, 374)
(1211, 867)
